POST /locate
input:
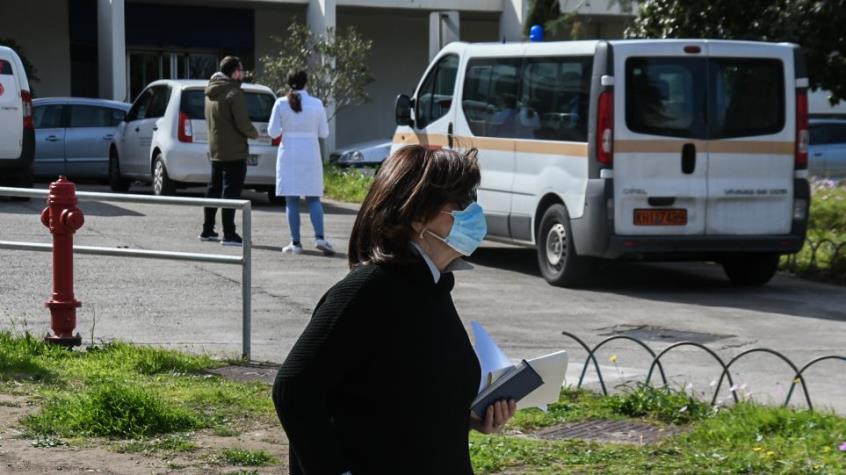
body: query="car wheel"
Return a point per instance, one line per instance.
(275, 200)
(117, 183)
(559, 264)
(162, 184)
(751, 270)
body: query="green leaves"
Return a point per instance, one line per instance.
(336, 62)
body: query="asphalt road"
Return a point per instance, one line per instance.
(197, 306)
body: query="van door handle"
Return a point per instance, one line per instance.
(52, 138)
(688, 157)
(155, 128)
(449, 135)
(137, 129)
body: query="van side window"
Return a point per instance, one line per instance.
(666, 96)
(555, 98)
(747, 96)
(434, 98)
(489, 100)
(5, 68)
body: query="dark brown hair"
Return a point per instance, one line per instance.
(229, 65)
(297, 81)
(413, 185)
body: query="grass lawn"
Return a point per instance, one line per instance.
(164, 406)
(346, 184)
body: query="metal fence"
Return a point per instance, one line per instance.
(797, 380)
(836, 269)
(244, 260)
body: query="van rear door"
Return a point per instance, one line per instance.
(11, 111)
(751, 139)
(660, 151)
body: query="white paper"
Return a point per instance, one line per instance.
(491, 358)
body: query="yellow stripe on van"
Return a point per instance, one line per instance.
(752, 147)
(542, 147)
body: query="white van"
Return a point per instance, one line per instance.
(17, 134)
(642, 149)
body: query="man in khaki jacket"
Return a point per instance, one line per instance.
(229, 128)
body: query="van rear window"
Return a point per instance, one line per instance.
(666, 96)
(747, 96)
(5, 67)
(259, 105)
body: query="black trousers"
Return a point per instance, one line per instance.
(227, 181)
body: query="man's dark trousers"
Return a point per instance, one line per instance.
(227, 181)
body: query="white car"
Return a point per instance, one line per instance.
(164, 139)
(17, 134)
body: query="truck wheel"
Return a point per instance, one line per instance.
(117, 183)
(557, 258)
(750, 269)
(162, 184)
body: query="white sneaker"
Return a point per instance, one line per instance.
(293, 249)
(325, 247)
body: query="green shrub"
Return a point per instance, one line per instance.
(246, 458)
(664, 404)
(346, 184)
(110, 409)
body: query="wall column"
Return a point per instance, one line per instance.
(111, 49)
(514, 14)
(321, 16)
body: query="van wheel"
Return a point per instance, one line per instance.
(275, 200)
(162, 184)
(557, 259)
(750, 269)
(116, 182)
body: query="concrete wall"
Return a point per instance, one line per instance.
(272, 21)
(41, 28)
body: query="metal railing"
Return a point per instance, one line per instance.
(244, 260)
(834, 271)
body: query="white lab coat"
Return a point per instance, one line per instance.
(299, 165)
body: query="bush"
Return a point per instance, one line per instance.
(346, 184)
(664, 404)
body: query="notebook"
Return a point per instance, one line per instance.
(515, 383)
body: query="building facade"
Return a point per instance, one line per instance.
(113, 48)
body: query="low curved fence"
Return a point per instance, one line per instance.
(835, 252)
(725, 375)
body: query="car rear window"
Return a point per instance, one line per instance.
(5, 67)
(665, 96)
(259, 105)
(747, 96)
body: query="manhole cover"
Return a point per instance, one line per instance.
(245, 373)
(627, 432)
(650, 333)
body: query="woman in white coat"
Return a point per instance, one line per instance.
(301, 120)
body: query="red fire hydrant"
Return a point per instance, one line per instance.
(63, 218)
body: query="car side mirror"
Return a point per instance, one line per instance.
(403, 108)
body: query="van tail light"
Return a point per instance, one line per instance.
(277, 141)
(186, 130)
(26, 98)
(802, 134)
(605, 128)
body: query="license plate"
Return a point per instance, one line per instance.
(660, 217)
(252, 160)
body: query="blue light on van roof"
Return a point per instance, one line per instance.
(536, 33)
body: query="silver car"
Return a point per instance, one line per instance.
(827, 148)
(72, 136)
(371, 153)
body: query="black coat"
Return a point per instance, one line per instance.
(381, 380)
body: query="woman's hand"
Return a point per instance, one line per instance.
(496, 415)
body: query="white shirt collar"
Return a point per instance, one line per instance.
(458, 264)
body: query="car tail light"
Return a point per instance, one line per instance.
(802, 134)
(186, 130)
(605, 128)
(26, 98)
(276, 141)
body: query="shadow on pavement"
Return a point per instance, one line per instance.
(694, 283)
(89, 208)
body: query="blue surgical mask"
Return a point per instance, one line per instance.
(468, 229)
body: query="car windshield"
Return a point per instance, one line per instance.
(259, 105)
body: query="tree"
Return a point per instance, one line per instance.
(816, 25)
(336, 64)
(29, 68)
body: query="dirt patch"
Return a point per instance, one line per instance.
(628, 432)
(20, 455)
(245, 373)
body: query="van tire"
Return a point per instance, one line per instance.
(117, 183)
(162, 184)
(751, 270)
(557, 259)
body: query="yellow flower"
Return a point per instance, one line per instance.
(826, 449)
(613, 358)
(797, 381)
(770, 454)
(758, 449)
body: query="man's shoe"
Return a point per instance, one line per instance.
(293, 249)
(325, 247)
(232, 240)
(209, 236)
